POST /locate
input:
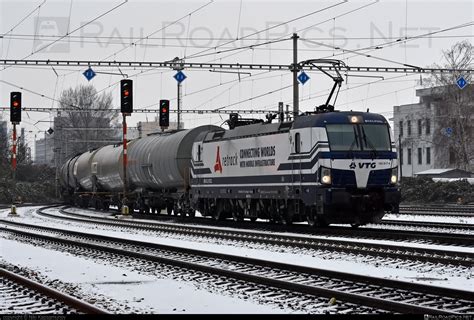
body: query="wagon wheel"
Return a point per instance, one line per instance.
(192, 213)
(169, 208)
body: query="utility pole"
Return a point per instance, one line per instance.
(294, 69)
(179, 105)
(400, 155)
(124, 163)
(179, 76)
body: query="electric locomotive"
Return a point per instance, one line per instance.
(324, 167)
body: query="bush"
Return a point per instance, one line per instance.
(425, 190)
(34, 184)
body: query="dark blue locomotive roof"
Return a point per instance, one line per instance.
(321, 119)
(303, 121)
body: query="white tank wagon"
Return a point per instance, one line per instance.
(108, 168)
(82, 170)
(66, 175)
(157, 173)
(162, 161)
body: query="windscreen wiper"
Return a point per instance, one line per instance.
(354, 143)
(369, 143)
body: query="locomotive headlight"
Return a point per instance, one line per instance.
(325, 175)
(394, 176)
(355, 119)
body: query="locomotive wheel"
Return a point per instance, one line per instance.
(286, 214)
(355, 225)
(192, 213)
(253, 219)
(311, 217)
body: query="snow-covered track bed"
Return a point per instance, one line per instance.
(355, 293)
(19, 295)
(448, 210)
(437, 257)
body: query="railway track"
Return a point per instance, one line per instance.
(448, 210)
(428, 224)
(448, 237)
(410, 254)
(353, 291)
(19, 295)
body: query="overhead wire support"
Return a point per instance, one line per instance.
(191, 111)
(224, 66)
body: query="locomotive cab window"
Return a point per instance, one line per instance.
(375, 137)
(343, 137)
(297, 143)
(358, 137)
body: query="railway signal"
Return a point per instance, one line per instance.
(15, 107)
(126, 107)
(15, 118)
(164, 113)
(126, 96)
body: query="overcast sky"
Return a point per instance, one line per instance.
(201, 25)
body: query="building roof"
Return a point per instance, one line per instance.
(434, 171)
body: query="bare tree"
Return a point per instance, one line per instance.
(4, 148)
(455, 108)
(86, 123)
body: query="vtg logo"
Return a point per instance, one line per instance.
(367, 165)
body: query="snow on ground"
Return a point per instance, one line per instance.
(439, 277)
(429, 218)
(124, 287)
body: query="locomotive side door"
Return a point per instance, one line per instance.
(296, 145)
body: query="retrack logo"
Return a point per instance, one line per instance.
(218, 165)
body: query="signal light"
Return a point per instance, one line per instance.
(164, 113)
(126, 96)
(15, 107)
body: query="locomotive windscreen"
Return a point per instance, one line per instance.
(358, 137)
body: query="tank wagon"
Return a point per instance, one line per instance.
(323, 167)
(157, 173)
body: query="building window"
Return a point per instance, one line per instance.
(428, 155)
(452, 156)
(409, 127)
(409, 156)
(419, 156)
(428, 126)
(401, 156)
(419, 127)
(401, 128)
